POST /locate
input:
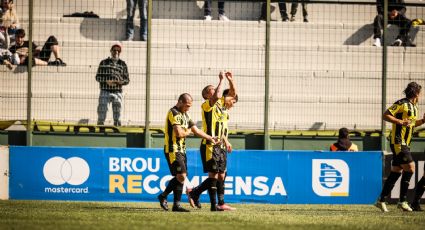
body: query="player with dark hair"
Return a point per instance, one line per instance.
(403, 115)
(214, 157)
(178, 126)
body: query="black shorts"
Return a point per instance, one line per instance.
(177, 162)
(214, 158)
(401, 154)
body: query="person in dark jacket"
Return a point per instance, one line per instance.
(396, 16)
(112, 74)
(344, 143)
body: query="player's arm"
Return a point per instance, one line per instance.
(180, 131)
(227, 144)
(203, 135)
(218, 93)
(232, 87)
(421, 121)
(389, 117)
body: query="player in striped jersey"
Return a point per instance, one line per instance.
(178, 126)
(403, 115)
(214, 157)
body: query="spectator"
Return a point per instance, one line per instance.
(344, 143)
(396, 16)
(9, 23)
(221, 13)
(294, 7)
(131, 10)
(40, 56)
(282, 8)
(112, 74)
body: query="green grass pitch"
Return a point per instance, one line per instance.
(141, 215)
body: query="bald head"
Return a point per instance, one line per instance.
(185, 97)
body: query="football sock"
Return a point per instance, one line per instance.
(404, 185)
(212, 192)
(220, 192)
(419, 191)
(389, 185)
(206, 184)
(170, 187)
(178, 189)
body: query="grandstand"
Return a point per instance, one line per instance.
(323, 75)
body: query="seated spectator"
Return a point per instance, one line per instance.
(40, 56)
(396, 16)
(343, 143)
(282, 9)
(9, 23)
(207, 11)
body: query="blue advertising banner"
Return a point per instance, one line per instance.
(124, 174)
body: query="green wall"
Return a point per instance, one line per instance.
(239, 141)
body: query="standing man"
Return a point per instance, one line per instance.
(294, 8)
(131, 10)
(112, 74)
(221, 13)
(403, 115)
(214, 156)
(178, 126)
(282, 9)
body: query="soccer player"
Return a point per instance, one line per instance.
(214, 157)
(419, 191)
(403, 115)
(178, 126)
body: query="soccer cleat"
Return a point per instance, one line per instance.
(382, 206)
(305, 20)
(223, 18)
(292, 19)
(416, 207)
(207, 18)
(377, 42)
(397, 42)
(404, 206)
(178, 208)
(285, 19)
(163, 202)
(226, 207)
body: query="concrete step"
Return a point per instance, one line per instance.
(225, 56)
(236, 10)
(235, 32)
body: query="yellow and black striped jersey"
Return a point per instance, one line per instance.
(171, 142)
(402, 109)
(215, 119)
